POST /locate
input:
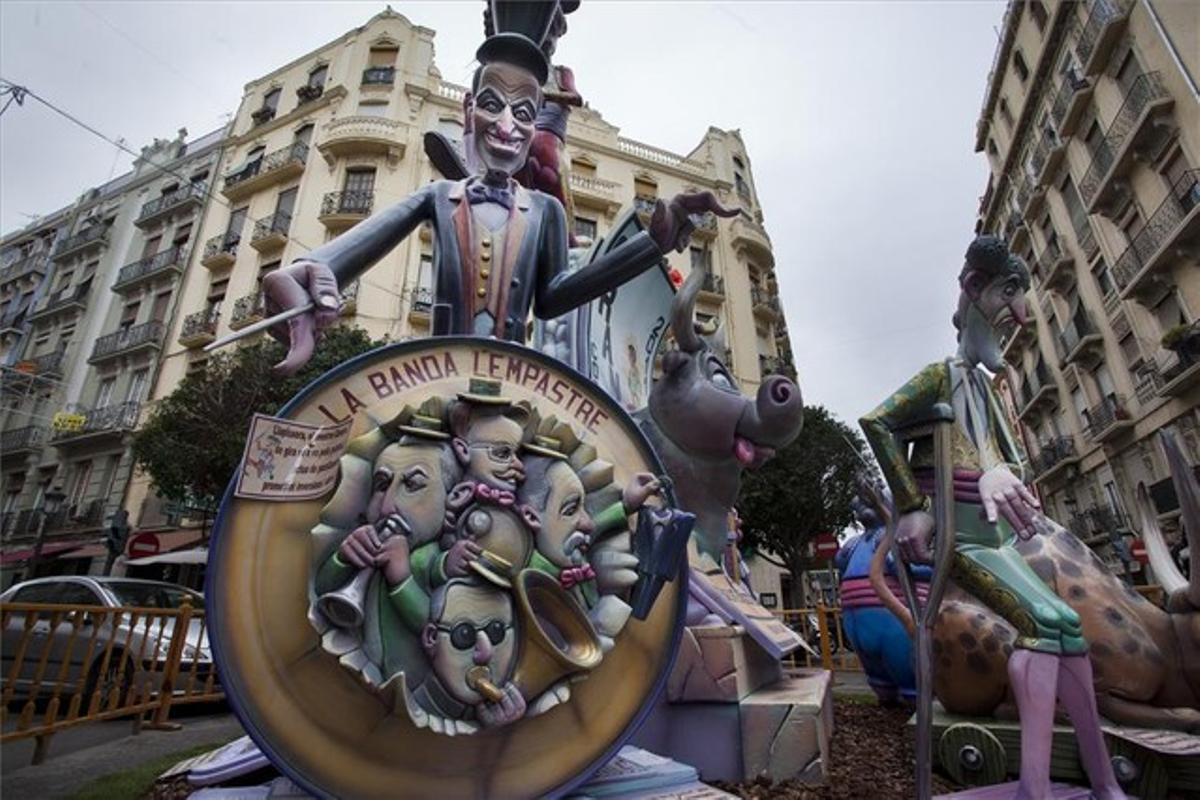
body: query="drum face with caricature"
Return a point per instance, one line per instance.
(451, 614)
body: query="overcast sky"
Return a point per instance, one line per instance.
(859, 119)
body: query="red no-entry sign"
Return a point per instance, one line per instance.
(144, 544)
(825, 545)
(1138, 551)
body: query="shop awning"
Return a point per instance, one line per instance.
(48, 550)
(198, 555)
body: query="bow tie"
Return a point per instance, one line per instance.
(500, 497)
(479, 192)
(574, 575)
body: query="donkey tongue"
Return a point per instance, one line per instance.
(744, 451)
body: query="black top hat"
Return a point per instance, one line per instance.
(520, 26)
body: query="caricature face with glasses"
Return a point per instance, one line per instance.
(488, 451)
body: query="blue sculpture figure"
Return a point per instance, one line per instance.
(878, 636)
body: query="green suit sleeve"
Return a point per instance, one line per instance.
(428, 566)
(610, 519)
(333, 574)
(909, 403)
(411, 604)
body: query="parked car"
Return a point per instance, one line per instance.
(139, 652)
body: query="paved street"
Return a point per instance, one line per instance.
(79, 755)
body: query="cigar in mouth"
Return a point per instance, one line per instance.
(478, 678)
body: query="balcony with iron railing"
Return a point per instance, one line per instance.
(1105, 23)
(1147, 380)
(1171, 231)
(1073, 95)
(271, 233)
(1108, 418)
(705, 225)
(1047, 156)
(281, 165)
(349, 294)
(136, 338)
(1130, 137)
(774, 365)
(247, 310)
(1054, 456)
(1037, 390)
(764, 302)
(46, 365)
(69, 299)
(22, 441)
(379, 76)
(193, 195)
(340, 210)
(221, 251)
(420, 304)
(1018, 336)
(199, 328)
(1183, 372)
(713, 288)
(169, 262)
(99, 423)
(1056, 267)
(308, 93)
(1014, 229)
(644, 205)
(263, 115)
(1080, 342)
(35, 264)
(90, 238)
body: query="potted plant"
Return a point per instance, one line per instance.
(1183, 340)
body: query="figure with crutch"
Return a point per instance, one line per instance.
(983, 506)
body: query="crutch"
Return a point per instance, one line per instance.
(936, 425)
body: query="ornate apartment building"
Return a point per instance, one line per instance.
(1091, 126)
(323, 141)
(86, 296)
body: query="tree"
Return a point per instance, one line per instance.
(804, 490)
(193, 440)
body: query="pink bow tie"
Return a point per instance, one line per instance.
(500, 497)
(573, 575)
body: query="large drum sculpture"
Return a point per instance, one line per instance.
(435, 576)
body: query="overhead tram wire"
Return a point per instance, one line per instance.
(7, 86)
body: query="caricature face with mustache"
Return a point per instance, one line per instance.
(503, 108)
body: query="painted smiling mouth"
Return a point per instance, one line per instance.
(510, 145)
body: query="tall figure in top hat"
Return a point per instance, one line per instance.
(499, 249)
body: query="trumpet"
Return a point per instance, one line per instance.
(346, 607)
(557, 639)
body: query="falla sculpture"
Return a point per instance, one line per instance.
(423, 579)
(500, 250)
(991, 509)
(500, 564)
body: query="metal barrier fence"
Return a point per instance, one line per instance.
(822, 628)
(66, 665)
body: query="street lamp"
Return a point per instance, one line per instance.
(51, 501)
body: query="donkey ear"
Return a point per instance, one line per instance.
(674, 361)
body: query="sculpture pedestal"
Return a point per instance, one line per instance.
(730, 712)
(1006, 791)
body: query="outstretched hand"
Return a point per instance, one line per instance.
(296, 285)
(913, 535)
(671, 225)
(1004, 495)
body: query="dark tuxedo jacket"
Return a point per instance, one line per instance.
(535, 257)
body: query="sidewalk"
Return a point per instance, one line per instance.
(61, 775)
